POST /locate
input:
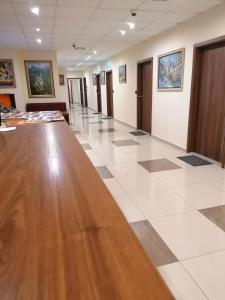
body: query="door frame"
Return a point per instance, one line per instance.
(85, 92)
(194, 98)
(107, 72)
(99, 97)
(139, 105)
(81, 88)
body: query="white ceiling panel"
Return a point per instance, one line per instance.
(10, 28)
(103, 24)
(79, 3)
(161, 6)
(43, 29)
(6, 9)
(145, 16)
(66, 22)
(67, 30)
(31, 21)
(121, 4)
(110, 14)
(193, 6)
(95, 31)
(177, 18)
(41, 2)
(35, 35)
(8, 20)
(73, 12)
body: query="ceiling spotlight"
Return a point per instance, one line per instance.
(35, 10)
(123, 32)
(131, 25)
(38, 29)
(39, 41)
(88, 57)
(95, 52)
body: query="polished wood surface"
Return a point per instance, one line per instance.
(62, 236)
(109, 88)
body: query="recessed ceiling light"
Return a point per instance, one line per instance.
(123, 32)
(95, 52)
(38, 29)
(35, 10)
(39, 41)
(131, 25)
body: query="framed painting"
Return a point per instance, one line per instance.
(102, 77)
(39, 75)
(7, 77)
(123, 74)
(61, 79)
(94, 79)
(171, 71)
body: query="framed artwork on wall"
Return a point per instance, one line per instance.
(102, 77)
(94, 79)
(39, 76)
(7, 77)
(61, 79)
(171, 71)
(123, 74)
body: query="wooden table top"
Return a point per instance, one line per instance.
(62, 236)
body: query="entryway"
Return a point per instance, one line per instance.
(207, 109)
(144, 95)
(75, 90)
(98, 91)
(109, 92)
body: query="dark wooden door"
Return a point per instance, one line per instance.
(211, 102)
(144, 95)
(98, 90)
(81, 92)
(85, 92)
(109, 87)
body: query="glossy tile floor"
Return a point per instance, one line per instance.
(176, 210)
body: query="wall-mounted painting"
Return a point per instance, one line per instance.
(171, 71)
(123, 74)
(7, 77)
(102, 77)
(94, 79)
(40, 82)
(61, 79)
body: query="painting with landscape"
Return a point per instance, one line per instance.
(39, 79)
(170, 70)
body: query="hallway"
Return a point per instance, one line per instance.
(176, 210)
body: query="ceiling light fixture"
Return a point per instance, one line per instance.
(95, 52)
(131, 25)
(123, 32)
(39, 41)
(35, 10)
(38, 29)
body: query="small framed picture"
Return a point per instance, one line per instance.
(171, 71)
(61, 79)
(7, 77)
(123, 74)
(102, 77)
(94, 79)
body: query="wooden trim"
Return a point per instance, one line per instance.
(85, 92)
(107, 92)
(210, 42)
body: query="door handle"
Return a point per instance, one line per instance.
(140, 96)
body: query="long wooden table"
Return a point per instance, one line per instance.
(62, 236)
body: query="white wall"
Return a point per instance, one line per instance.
(170, 110)
(21, 91)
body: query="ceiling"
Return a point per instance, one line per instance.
(93, 24)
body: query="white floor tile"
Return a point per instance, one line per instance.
(129, 209)
(114, 187)
(157, 203)
(209, 273)
(180, 283)
(181, 177)
(189, 234)
(202, 195)
(139, 183)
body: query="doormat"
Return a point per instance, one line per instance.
(195, 161)
(137, 133)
